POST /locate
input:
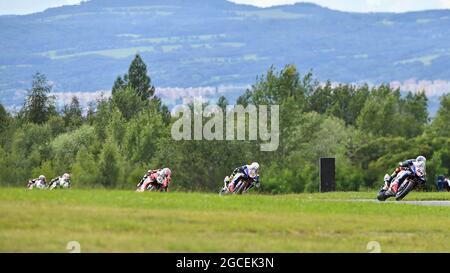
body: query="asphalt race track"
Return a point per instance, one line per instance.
(421, 202)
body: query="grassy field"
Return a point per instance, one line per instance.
(125, 221)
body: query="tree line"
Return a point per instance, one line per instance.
(368, 129)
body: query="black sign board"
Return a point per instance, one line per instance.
(327, 174)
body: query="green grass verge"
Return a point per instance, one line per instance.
(125, 221)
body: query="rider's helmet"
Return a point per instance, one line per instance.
(253, 170)
(66, 177)
(167, 173)
(420, 165)
(254, 165)
(41, 177)
(421, 158)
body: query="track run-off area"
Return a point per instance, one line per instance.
(126, 221)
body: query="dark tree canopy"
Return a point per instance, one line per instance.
(119, 84)
(39, 106)
(128, 102)
(72, 113)
(3, 118)
(441, 123)
(222, 102)
(139, 80)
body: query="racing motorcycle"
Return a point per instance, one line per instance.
(36, 184)
(152, 185)
(416, 178)
(59, 182)
(242, 186)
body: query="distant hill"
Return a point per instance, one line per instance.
(201, 43)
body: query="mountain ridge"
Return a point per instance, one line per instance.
(204, 43)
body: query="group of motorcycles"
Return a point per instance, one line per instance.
(58, 182)
(416, 178)
(244, 184)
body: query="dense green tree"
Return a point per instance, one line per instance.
(222, 102)
(109, 165)
(28, 149)
(45, 169)
(3, 166)
(348, 178)
(414, 114)
(139, 80)
(117, 127)
(380, 115)
(56, 125)
(277, 87)
(128, 102)
(119, 84)
(90, 115)
(166, 115)
(66, 146)
(244, 98)
(102, 117)
(321, 99)
(39, 106)
(73, 114)
(4, 179)
(143, 135)
(441, 123)
(4, 118)
(386, 113)
(85, 169)
(347, 102)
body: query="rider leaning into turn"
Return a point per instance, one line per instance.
(60, 181)
(246, 171)
(161, 176)
(411, 167)
(39, 182)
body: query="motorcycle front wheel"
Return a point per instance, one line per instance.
(223, 191)
(381, 196)
(239, 188)
(403, 191)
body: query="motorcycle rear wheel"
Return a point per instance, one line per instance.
(222, 192)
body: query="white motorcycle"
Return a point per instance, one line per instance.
(60, 182)
(39, 184)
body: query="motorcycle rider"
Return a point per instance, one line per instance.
(39, 182)
(246, 172)
(147, 174)
(60, 181)
(160, 176)
(407, 168)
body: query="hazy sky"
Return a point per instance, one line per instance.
(30, 6)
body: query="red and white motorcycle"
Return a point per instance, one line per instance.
(153, 182)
